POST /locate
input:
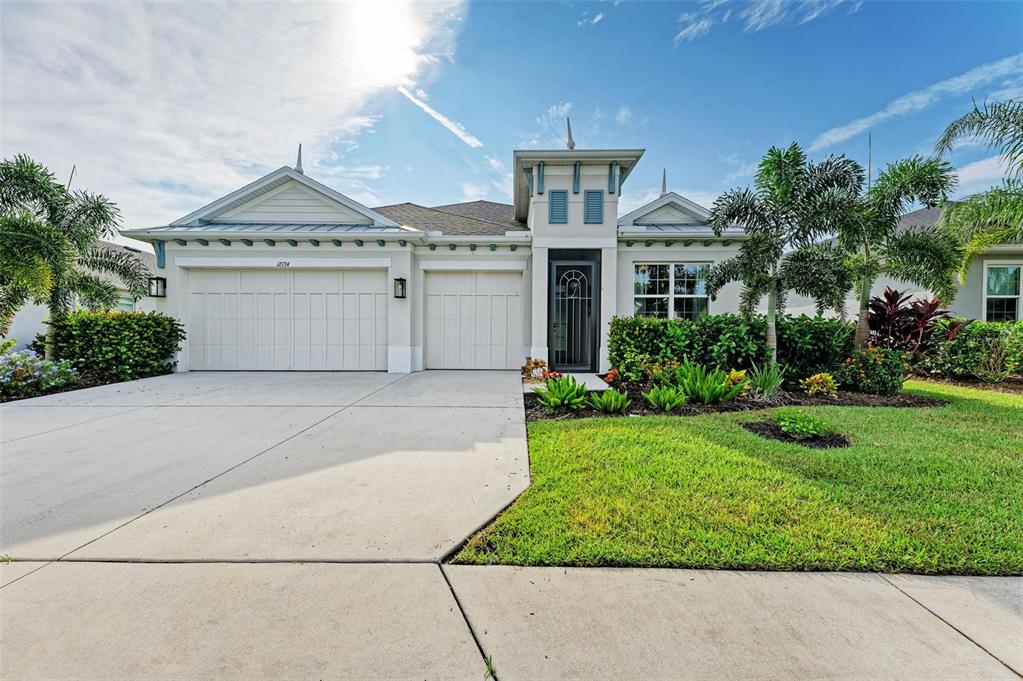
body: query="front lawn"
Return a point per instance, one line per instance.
(927, 490)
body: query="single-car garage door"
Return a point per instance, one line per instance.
(287, 320)
(473, 320)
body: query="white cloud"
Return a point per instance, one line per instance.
(983, 76)
(623, 115)
(550, 129)
(756, 15)
(980, 175)
(454, 127)
(587, 20)
(166, 106)
(474, 191)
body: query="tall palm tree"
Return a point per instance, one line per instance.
(924, 256)
(792, 205)
(996, 216)
(58, 234)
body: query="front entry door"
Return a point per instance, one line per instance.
(574, 314)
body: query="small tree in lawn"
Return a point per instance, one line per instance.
(792, 205)
(58, 235)
(925, 255)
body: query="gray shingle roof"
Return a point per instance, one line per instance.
(461, 219)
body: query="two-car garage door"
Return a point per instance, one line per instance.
(287, 319)
(473, 320)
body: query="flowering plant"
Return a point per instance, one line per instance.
(25, 374)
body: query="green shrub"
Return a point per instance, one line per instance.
(799, 425)
(806, 345)
(823, 384)
(706, 386)
(665, 398)
(26, 374)
(119, 346)
(563, 394)
(7, 345)
(610, 401)
(878, 371)
(766, 381)
(966, 353)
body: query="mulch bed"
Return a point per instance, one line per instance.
(83, 382)
(639, 407)
(772, 431)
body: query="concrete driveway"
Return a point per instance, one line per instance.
(261, 466)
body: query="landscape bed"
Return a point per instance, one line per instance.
(931, 490)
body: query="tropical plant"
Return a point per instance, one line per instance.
(993, 363)
(706, 386)
(877, 371)
(800, 425)
(996, 216)
(610, 401)
(563, 393)
(665, 398)
(870, 235)
(26, 374)
(897, 323)
(766, 381)
(57, 236)
(962, 349)
(823, 384)
(793, 204)
(738, 377)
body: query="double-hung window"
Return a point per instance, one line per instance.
(558, 201)
(1002, 292)
(672, 290)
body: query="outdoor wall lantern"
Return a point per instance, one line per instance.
(157, 287)
(399, 288)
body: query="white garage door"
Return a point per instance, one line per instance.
(473, 320)
(287, 320)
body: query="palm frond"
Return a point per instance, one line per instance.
(88, 218)
(999, 125)
(925, 256)
(741, 207)
(28, 186)
(121, 264)
(820, 272)
(907, 181)
(91, 292)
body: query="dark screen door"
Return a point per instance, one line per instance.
(573, 314)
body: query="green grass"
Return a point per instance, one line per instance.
(936, 490)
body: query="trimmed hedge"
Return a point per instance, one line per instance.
(964, 355)
(806, 345)
(118, 346)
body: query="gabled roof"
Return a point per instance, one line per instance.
(697, 212)
(452, 219)
(272, 181)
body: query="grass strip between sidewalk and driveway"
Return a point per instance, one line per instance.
(929, 490)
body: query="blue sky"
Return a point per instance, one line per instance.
(425, 103)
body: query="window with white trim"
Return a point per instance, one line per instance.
(672, 290)
(1002, 292)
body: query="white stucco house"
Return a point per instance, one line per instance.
(288, 274)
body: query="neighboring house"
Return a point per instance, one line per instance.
(31, 319)
(992, 291)
(288, 274)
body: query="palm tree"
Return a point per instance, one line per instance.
(794, 204)
(996, 216)
(924, 256)
(57, 235)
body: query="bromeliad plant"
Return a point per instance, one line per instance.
(707, 386)
(562, 394)
(610, 401)
(665, 398)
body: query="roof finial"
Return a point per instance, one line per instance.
(571, 142)
(298, 163)
(664, 181)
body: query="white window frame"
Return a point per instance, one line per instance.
(1019, 295)
(671, 284)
